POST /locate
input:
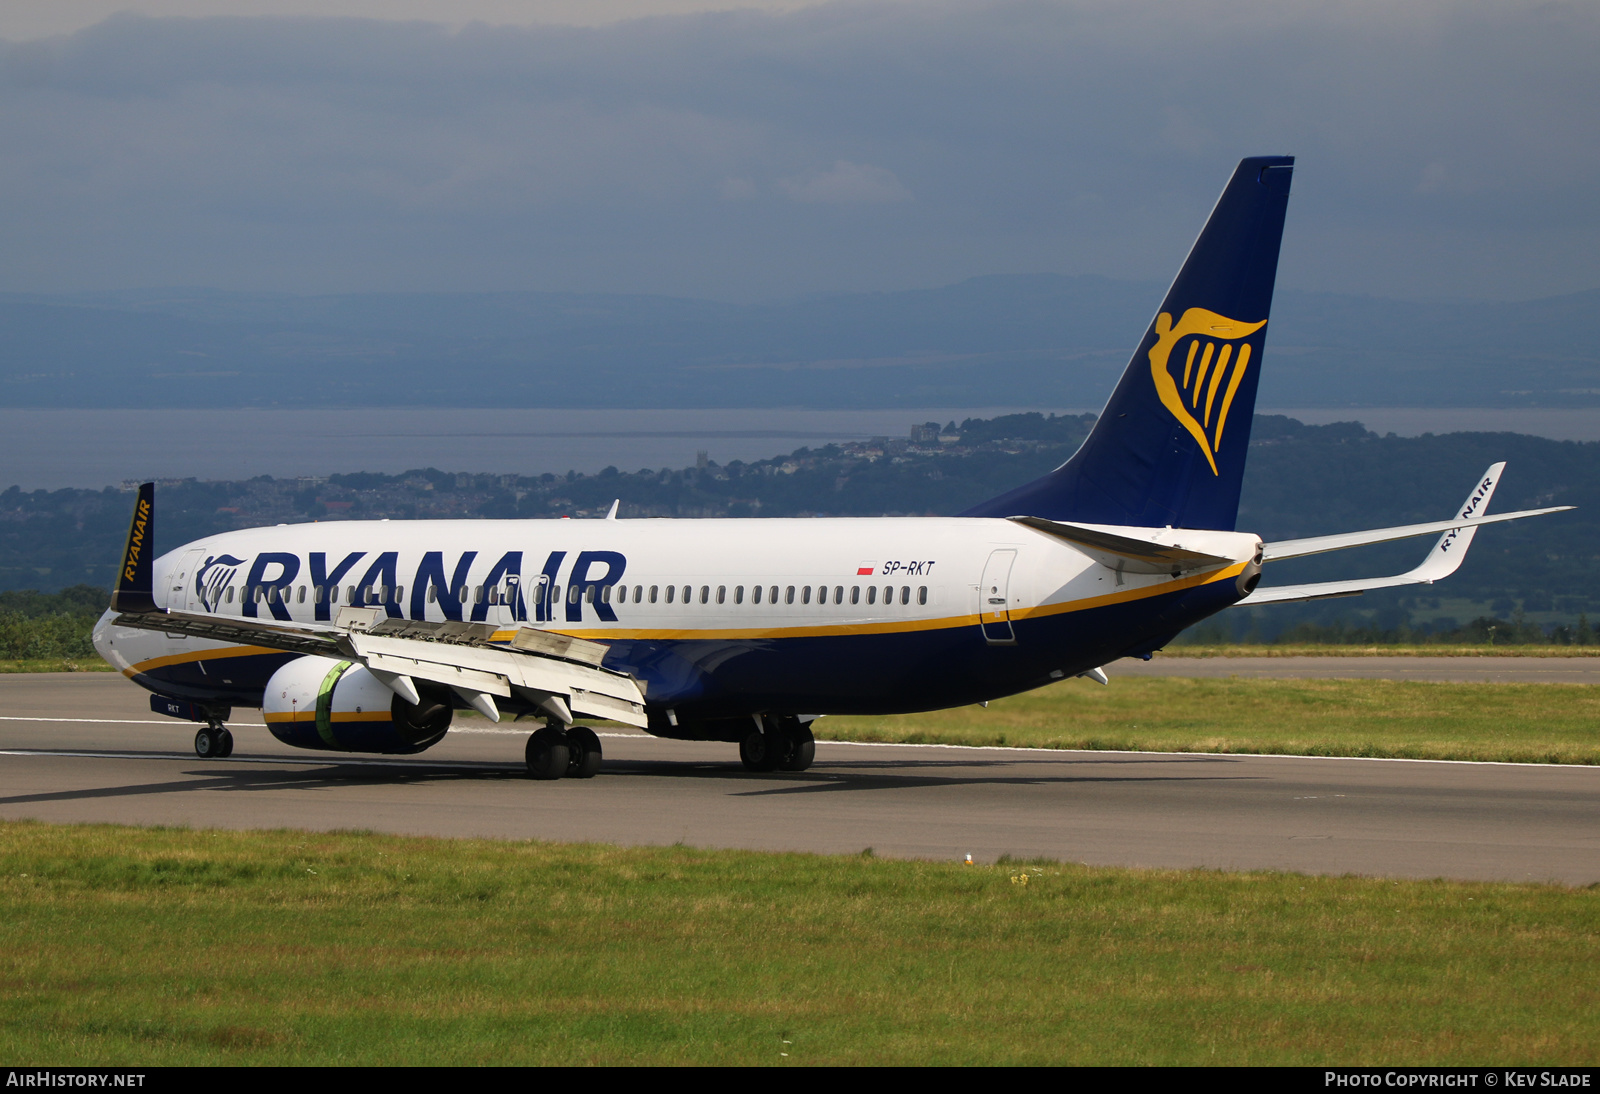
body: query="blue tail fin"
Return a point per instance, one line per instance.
(1170, 447)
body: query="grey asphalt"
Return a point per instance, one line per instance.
(86, 748)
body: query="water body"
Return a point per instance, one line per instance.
(51, 449)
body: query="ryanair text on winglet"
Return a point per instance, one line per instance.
(141, 517)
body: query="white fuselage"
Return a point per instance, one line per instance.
(696, 607)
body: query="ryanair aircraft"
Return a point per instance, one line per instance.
(368, 636)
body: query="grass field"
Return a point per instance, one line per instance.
(151, 946)
(57, 664)
(1340, 650)
(1532, 723)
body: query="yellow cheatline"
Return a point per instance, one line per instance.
(822, 631)
(198, 655)
(337, 716)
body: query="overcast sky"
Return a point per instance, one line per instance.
(1447, 150)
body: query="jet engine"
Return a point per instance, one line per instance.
(339, 706)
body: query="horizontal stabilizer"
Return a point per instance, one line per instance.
(1442, 561)
(1137, 556)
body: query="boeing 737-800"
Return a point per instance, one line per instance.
(367, 636)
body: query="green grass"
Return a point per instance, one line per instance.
(1528, 723)
(148, 946)
(57, 664)
(1335, 649)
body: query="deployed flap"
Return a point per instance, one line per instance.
(1137, 556)
(1442, 561)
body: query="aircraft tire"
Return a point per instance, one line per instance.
(799, 749)
(547, 754)
(757, 753)
(224, 744)
(583, 753)
(206, 745)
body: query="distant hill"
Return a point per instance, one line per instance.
(1039, 340)
(1301, 480)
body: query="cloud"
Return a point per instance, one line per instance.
(846, 183)
(1446, 148)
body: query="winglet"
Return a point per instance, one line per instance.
(135, 591)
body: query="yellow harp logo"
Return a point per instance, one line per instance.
(1194, 402)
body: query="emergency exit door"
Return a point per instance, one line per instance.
(994, 598)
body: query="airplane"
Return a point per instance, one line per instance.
(368, 636)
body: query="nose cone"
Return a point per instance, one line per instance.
(105, 641)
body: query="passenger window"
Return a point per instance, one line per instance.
(755, 594)
(905, 594)
(738, 594)
(653, 589)
(872, 594)
(822, 594)
(838, 594)
(573, 593)
(588, 595)
(922, 594)
(805, 595)
(605, 594)
(722, 594)
(350, 594)
(433, 594)
(888, 594)
(399, 593)
(855, 594)
(638, 594)
(229, 595)
(672, 591)
(772, 595)
(688, 594)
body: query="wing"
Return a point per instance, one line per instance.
(560, 675)
(1442, 561)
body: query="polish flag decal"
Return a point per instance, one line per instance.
(866, 569)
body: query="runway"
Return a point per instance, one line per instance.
(86, 748)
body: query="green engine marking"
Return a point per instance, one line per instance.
(325, 704)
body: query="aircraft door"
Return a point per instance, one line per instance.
(181, 594)
(994, 598)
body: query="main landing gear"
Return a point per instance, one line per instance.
(213, 742)
(554, 753)
(781, 744)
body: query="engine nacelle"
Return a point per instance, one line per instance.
(338, 706)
